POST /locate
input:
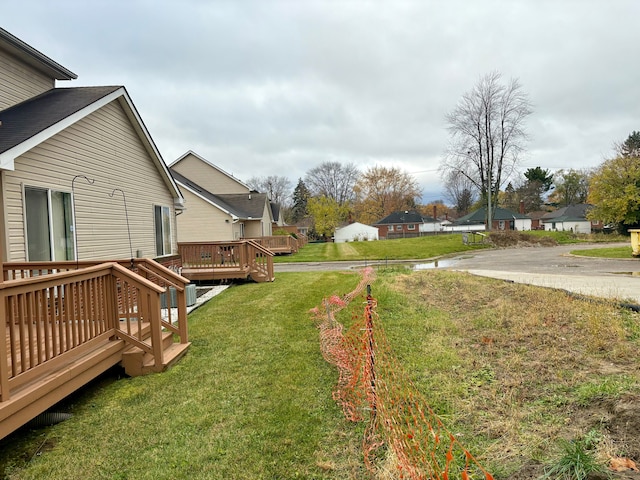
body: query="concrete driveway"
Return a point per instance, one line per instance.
(554, 267)
(551, 267)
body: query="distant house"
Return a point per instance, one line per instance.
(81, 176)
(219, 206)
(502, 219)
(406, 224)
(355, 232)
(571, 218)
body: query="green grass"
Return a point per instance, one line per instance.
(253, 397)
(400, 249)
(432, 246)
(612, 252)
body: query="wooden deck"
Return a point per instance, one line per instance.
(241, 259)
(279, 244)
(67, 322)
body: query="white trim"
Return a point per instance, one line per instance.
(7, 158)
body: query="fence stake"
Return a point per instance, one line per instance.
(371, 353)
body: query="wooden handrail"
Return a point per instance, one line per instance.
(48, 317)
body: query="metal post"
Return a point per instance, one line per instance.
(126, 214)
(371, 354)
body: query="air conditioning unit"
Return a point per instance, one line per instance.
(190, 293)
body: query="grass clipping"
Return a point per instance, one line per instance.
(519, 367)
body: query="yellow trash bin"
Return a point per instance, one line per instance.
(635, 242)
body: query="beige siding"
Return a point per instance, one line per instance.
(202, 222)
(19, 82)
(105, 147)
(253, 229)
(208, 177)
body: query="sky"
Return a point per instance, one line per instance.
(276, 87)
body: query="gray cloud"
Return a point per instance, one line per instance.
(276, 87)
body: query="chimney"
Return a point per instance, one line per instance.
(522, 207)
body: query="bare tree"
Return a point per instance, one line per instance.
(460, 191)
(278, 188)
(487, 135)
(332, 180)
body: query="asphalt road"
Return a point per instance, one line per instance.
(551, 267)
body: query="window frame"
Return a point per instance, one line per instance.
(70, 249)
(159, 228)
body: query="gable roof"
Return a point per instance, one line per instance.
(570, 213)
(27, 124)
(33, 57)
(239, 206)
(480, 216)
(202, 159)
(401, 216)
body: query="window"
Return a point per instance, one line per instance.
(390, 228)
(162, 219)
(501, 225)
(49, 225)
(411, 226)
(398, 228)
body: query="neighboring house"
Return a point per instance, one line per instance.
(80, 175)
(502, 219)
(304, 226)
(571, 218)
(355, 232)
(405, 224)
(219, 206)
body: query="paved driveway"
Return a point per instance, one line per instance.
(554, 267)
(550, 267)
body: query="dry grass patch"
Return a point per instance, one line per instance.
(518, 367)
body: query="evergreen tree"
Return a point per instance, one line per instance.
(301, 196)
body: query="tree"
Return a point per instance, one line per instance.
(487, 135)
(630, 147)
(614, 191)
(538, 182)
(278, 188)
(571, 187)
(327, 214)
(382, 190)
(509, 198)
(332, 180)
(460, 191)
(301, 197)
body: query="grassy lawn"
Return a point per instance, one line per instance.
(400, 249)
(613, 252)
(418, 248)
(252, 399)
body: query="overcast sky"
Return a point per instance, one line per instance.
(270, 87)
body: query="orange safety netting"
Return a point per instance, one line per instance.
(372, 386)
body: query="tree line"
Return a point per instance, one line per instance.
(487, 137)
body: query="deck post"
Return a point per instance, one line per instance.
(181, 296)
(155, 317)
(4, 362)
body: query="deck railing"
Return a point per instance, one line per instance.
(233, 259)
(279, 243)
(50, 318)
(175, 319)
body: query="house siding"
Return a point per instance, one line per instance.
(19, 82)
(103, 146)
(202, 222)
(201, 172)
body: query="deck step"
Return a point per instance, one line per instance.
(137, 362)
